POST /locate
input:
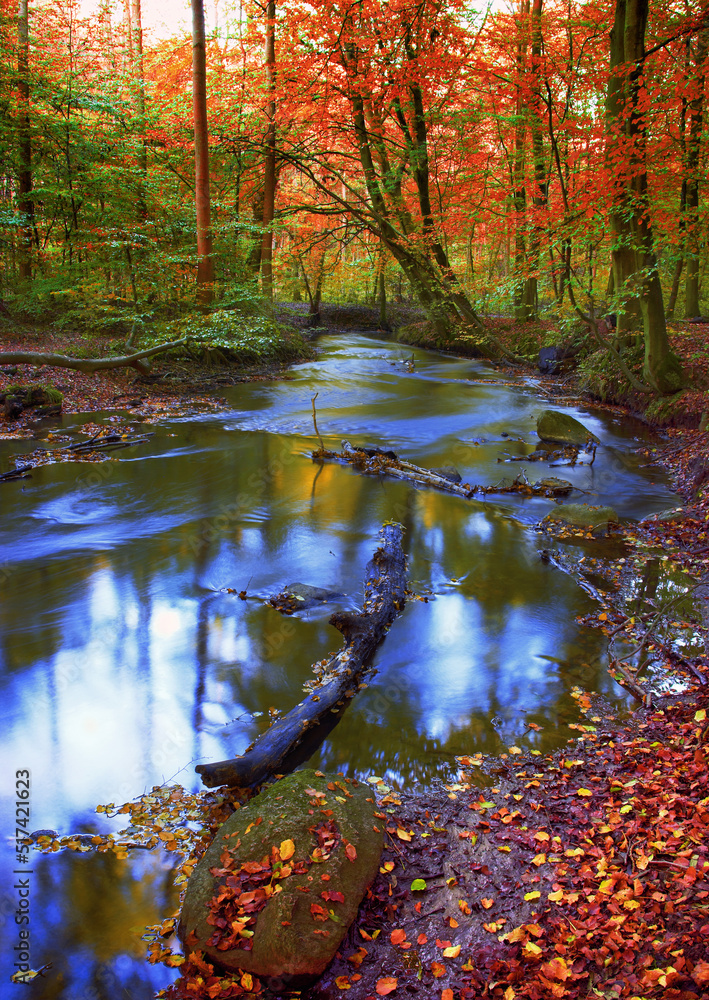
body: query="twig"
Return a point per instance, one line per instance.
(626, 681)
(315, 422)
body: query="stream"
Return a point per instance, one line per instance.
(127, 656)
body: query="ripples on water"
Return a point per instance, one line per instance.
(124, 661)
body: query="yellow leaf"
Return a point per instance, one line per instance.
(541, 835)
(539, 859)
(585, 793)
(286, 850)
(532, 895)
(343, 983)
(514, 750)
(700, 715)
(452, 952)
(556, 897)
(487, 903)
(606, 887)
(504, 850)
(402, 834)
(531, 950)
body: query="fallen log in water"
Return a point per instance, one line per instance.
(289, 740)
(377, 463)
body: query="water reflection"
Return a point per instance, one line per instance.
(125, 660)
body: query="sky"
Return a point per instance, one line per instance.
(164, 18)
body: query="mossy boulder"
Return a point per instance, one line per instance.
(555, 426)
(35, 395)
(279, 886)
(581, 515)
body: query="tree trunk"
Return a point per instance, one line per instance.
(295, 736)
(694, 176)
(541, 184)
(623, 254)
(633, 245)
(269, 178)
(253, 260)
(136, 28)
(87, 365)
(525, 287)
(383, 320)
(205, 265)
(24, 196)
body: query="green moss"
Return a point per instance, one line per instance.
(35, 394)
(228, 337)
(288, 940)
(667, 376)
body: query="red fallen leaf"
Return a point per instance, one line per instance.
(447, 995)
(252, 867)
(421, 939)
(442, 944)
(332, 896)
(397, 936)
(438, 969)
(319, 912)
(386, 985)
(700, 973)
(351, 851)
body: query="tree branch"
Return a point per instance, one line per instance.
(88, 365)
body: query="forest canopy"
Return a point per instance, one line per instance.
(541, 155)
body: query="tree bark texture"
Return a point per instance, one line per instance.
(635, 267)
(136, 46)
(24, 196)
(289, 740)
(205, 263)
(269, 175)
(87, 365)
(694, 177)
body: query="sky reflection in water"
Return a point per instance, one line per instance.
(124, 661)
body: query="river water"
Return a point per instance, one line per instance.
(127, 656)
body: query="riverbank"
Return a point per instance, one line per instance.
(497, 846)
(175, 385)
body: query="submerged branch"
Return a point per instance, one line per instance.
(374, 462)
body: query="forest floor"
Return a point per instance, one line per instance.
(580, 873)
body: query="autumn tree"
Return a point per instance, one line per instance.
(205, 264)
(695, 174)
(25, 203)
(635, 267)
(380, 79)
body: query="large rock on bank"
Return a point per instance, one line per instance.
(555, 426)
(277, 889)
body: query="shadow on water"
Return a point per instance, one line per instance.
(127, 655)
